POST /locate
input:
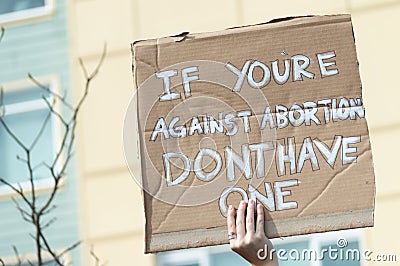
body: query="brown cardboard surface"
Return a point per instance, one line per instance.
(329, 195)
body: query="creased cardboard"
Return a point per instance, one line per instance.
(272, 112)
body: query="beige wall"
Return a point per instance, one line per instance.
(111, 209)
(374, 28)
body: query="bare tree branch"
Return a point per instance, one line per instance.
(56, 168)
(49, 249)
(19, 191)
(74, 123)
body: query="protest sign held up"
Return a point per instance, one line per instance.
(272, 112)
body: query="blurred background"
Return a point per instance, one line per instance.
(99, 202)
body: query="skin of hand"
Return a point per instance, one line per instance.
(250, 236)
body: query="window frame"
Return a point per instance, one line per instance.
(26, 257)
(200, 256)
(315, 242)
(44, 184)
(30, 13)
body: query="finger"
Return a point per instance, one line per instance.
(231, 222)
(250, 217)
(240, 228)
(260, 219)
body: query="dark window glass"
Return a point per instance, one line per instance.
(346, 256)
(227, 258)
(9, 6)
(26, 125)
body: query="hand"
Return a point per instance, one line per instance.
(249, 237)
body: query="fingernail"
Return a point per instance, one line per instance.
(230, 207)
(251, 201)
(242, 202)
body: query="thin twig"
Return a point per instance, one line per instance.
(42, 164)
(51, 108)
(49, 210)
(2, 108)
(3, 30)
(74, 123)
(65, 94)
(19, 261)
(85, 73)
(97, 260)
(33, 190)
(48, 248)
(40, 133)
(52, 195)
(62, 146)
(19, 158)
(103, 56)
(32, 236)
(47, 89)
(25, 215)
(46, 225)
(19, 191)
(12, 135)
(70, 248)
(69, 155)
(89, 78)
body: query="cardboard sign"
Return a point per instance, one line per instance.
(272, 112)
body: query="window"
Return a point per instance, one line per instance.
(12, 10)
(26, 114)
(352, 239)
(221, 255)
(46, 262)
(30, 259)
(207, 256)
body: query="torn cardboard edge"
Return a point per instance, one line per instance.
(293, 226)
(274, 23)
